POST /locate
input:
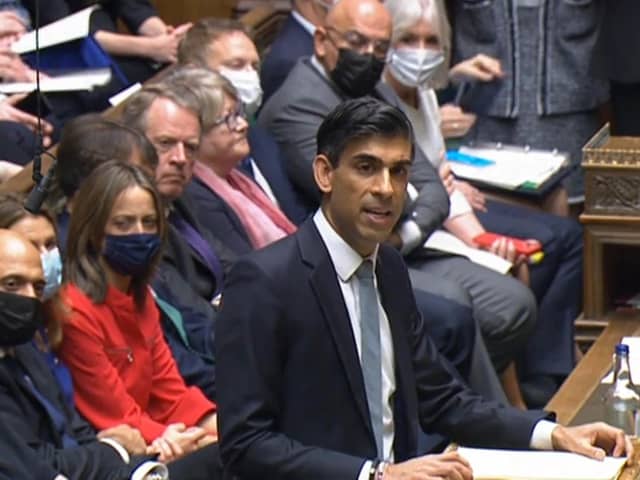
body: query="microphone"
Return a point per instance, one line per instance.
(36, 197)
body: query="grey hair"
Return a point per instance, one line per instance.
(406, 13)
(210, 89)
(134, 113)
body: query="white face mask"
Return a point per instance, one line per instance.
(247, 83)
(413, 67)
(52, 269)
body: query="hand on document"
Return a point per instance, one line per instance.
(454, 122)
(448, 465)
(9, 112)
(11, 27)
(595, 440)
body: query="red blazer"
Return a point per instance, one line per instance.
(122, 368)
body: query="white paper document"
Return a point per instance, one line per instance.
(634, 359)
(538, 465)
(512, 166)
(446, 242)
(69, 28)
(79, 80)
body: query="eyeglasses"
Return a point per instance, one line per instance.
(232, 119)
(361, 43)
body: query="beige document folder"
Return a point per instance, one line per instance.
(538, 465)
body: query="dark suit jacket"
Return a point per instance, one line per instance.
(132, 12)
(294, 403)
(266, 153)
(293, 116)
(217, 218)
(293, 42)
(30, 446)
(621, 38)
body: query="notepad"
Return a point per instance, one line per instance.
(489, 464)
(512, 167)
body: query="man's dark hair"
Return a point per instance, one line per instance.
(90, 140)
(357, 119)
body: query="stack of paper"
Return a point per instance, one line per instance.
(446, 242)
(538, 465)
(509, 167)
(67, 29)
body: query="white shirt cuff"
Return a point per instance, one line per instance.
(541, 436)
(411, 236)
(157, 469)
(458, 204)
(118, 448)
(364, 471)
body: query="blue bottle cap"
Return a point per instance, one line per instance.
(622, 348)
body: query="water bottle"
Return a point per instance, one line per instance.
(622, 400)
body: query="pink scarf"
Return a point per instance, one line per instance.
(261, 218)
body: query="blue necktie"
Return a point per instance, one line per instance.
(371, 357)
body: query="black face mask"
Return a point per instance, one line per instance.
(20, 317)
(356, 73)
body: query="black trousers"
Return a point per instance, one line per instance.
(625, 106)
(203, 464)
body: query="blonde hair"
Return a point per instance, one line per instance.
(406, 13)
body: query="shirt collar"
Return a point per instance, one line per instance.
(304, 23)
(344, 258)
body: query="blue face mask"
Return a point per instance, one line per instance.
(52, 269)
(131, 254)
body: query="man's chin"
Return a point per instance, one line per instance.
(170, 192)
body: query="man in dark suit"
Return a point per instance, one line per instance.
(328, 368)
(347, 63)
(42, 436)
(294, 41)
(225, 46)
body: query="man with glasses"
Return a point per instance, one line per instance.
(349, 56)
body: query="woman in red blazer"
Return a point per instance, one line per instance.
(122, 368)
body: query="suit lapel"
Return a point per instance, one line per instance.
(329, 295)
(394, 304)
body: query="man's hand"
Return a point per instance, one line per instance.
(177, 441)
(595, 440)
(455, 122)
(445, 466)
(164, 48)
(130, 438)
(474, 196)
(13, 69)
(480, 67)
(9, 112)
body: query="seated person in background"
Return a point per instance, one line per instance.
(225, 46)
(332, 328)
(150, 44)
(548, 357)
(111, 327)
(188, 320)
(42, 435)
(350, 54)
(40, 230)
(294, 41)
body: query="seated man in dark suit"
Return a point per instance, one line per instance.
(225, 46)
(328, 368)
(294, 41)
(42, 436)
